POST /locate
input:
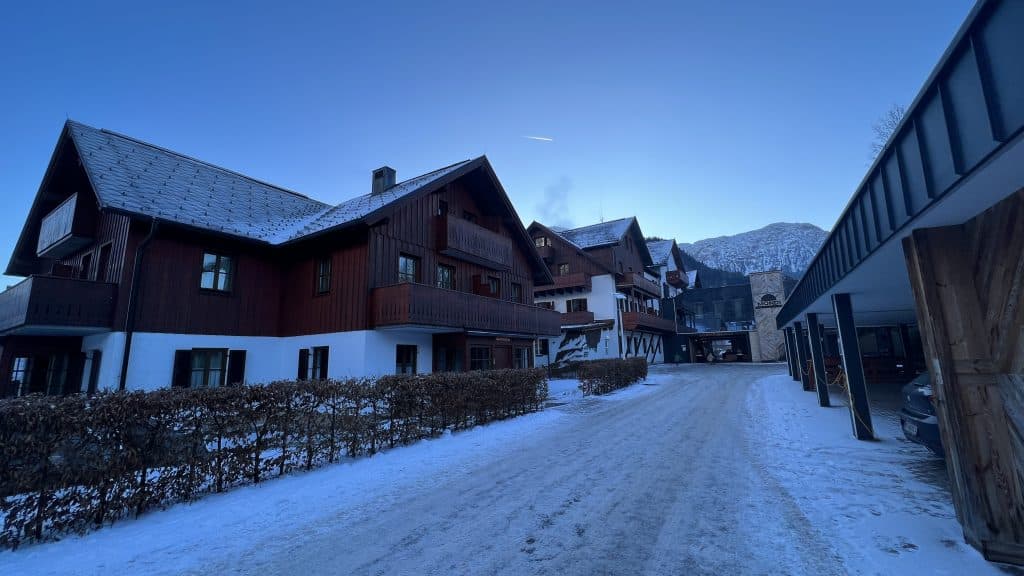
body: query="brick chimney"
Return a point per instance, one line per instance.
(383, 178)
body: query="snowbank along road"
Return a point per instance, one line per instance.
(662, 478)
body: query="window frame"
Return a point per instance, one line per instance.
(570, 307)
(494, 286)
(563, 269)
(449, 271)
(218, 273)
(103, 261)
(207, 368)
(319, 276)
(489, 358)
(406, 356)
(319, 362)
(516, 293)
(24, 383)
(403, 276)
(85, 271)
(542, 242)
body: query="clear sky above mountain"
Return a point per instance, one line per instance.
(700, 118)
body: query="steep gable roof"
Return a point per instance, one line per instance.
(555, 235)
(660, 251)
(597, 235)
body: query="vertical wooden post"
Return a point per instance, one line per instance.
(794, 359)
(814, 336)
(789, 353)
(849, 349)
(968, 284)
(802, 354)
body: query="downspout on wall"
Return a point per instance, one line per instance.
(133, 295)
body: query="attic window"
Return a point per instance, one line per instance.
(218, 272)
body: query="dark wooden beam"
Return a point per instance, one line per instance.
(815, 337)
(849, 349)
(803, 354)
(794, 355)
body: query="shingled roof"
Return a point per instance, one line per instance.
(660, 251)
(596, 235)
(139, 178)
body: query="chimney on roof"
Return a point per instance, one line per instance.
(383, 178)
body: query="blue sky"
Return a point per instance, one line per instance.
(700, 118)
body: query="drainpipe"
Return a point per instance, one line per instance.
(133, 295)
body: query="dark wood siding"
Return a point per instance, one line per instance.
(344, 307)
(170, 299)
(110, 228)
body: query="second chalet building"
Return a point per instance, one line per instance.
(146, 268)
(608, 289)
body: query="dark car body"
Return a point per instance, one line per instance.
(917, 417)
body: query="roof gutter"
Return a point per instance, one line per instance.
(133, 296)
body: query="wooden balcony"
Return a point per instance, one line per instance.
(676, 278)
(64, 230)
(464, 240)
(647, 322)
(52, 305)
(577, 318)
(547, 253)
(568, 283)
(637, 281)
(422, 305)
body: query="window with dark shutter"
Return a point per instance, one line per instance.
(182, 368)
(320, 357)
(236, 367)
(303, 364)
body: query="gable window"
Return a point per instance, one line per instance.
(479, 358)
(218, 271)
(563, 269)
(517, 292)
(408, 268)
(442, 208)
(541, 241)
(323, 275)
(85, 270)
(21, 370)
(405, 359)
(494, 286)
(446, 276)
(576, 305)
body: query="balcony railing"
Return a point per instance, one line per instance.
(567, 283)
(464, 240)
(676, 278)
(577, 318)
(422, 305)
(644, 321)
(639, 282)
(60, 233)
(547, 253)
(53, 303)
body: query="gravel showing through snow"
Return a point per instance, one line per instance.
(669, 477)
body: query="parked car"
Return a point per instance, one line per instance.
(917, 418)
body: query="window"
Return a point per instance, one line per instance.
(442, 208)
(86, 269)
(548, 305)
(543, 347)
(563, 269)
(494, 286)
(56, 374)
(323, 275)
(94, 358)
(576, 305)
(479, 358)
(208, 368)
(217, 272)
(446, 276)
(103, 262)
(408, 268)
(21, 370)
(469, 216)
(520, 358)
(320, 356)
(542, 241)
(517, 292)
(405, 359)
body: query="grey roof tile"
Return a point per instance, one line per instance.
(660, 251)
(601, 234)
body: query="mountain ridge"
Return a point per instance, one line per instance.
(786, 246)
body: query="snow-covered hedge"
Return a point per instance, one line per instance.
(604, 376)
(74, 463)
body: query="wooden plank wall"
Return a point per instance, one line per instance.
(344, 307)
(110, 228)
(968, 283)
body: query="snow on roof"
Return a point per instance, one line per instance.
(660, 251)
(601, 234)
(140, 178)
(691, 277)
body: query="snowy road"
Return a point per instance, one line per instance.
(656, 479)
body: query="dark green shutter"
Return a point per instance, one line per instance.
(236, 367)
(303, 364)
(182, 369)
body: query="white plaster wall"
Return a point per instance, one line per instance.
(602, 299)
(356, 353)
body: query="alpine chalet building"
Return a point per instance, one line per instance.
(145, 268)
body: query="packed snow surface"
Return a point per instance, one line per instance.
(699, 470)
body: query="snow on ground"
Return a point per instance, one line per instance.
(872, 498)
(564, 390)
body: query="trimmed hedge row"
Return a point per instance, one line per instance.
(604, 376)
(73, 463)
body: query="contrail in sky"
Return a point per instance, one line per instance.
(540, 138)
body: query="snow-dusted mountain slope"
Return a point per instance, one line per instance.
(779, 246)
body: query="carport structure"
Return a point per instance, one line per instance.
(934, 236)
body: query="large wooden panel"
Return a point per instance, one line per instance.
(344, 306)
